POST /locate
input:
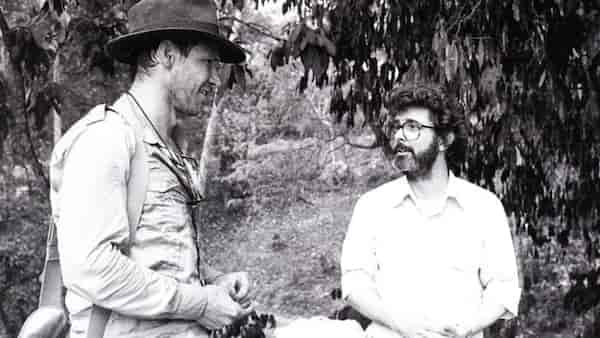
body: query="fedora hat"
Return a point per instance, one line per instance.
(154, 20)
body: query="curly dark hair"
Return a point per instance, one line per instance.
(447, 115)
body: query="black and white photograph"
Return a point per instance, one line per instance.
(299, 168)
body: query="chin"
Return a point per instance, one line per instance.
(404, 162)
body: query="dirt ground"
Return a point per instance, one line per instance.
(291, 252)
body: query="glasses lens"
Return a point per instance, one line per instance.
(411, 130)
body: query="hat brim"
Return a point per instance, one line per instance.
(126, 47)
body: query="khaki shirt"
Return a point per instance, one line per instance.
(160, 277)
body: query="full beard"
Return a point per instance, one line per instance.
(415, 165)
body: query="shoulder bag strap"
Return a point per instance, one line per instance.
(136, 195)
(51, 293)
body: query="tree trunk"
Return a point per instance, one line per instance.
(56, 118)
(208, 160)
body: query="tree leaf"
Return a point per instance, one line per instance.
(5, 119)
(435, 44)
(58, 7)
(327, 44)
(295, 38)
(451, 63)
(225, 75)
(489, 79)
(37, 5)
(239, 4)
(315, 59)
(516, 11)
(480, 56)
(48, 32)
(240, 75)
(303, 83)
(278, 57)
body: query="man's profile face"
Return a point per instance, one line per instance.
(192, 78)
(414, 149)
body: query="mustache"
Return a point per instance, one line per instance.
(403, 149)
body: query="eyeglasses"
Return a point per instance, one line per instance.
(193, 174)
(410, 129)
(186, 169)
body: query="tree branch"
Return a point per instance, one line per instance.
(20, 88)
(4, 320)
(373, 145)
(4, 28)
(38, 164)
(254, 27)
(460, 21)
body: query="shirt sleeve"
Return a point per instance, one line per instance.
(358, 262)
(499, 274)
(93, 223)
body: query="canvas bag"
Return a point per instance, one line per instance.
(51, 292)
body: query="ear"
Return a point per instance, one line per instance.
(446, 141)
(167, 53)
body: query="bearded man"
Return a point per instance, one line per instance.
(428, 254)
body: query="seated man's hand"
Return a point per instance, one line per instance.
(417, 327)
(456, 331)
(238, 285)
(221, 309)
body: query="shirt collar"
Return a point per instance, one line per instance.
(125, 103)
(404, 190)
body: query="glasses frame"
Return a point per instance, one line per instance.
(395, 128)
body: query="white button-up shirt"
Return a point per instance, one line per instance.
(439, 263)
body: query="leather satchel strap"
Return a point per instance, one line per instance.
(51, 293)
(137, 186)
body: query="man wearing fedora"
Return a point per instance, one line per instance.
(153, 282)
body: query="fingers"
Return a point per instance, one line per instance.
(246, 309)
(246, 303)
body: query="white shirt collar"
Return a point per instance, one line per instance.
(404, 191)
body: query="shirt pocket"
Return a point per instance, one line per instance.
(462, 266)
(164, 187)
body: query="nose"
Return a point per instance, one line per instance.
(397, 139)
(215, 78)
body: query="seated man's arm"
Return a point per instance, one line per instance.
(93, 223)
(359, 266)
(498, 273)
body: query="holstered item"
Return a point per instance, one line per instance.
(46, 321)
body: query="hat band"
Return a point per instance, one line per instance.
(180, 24)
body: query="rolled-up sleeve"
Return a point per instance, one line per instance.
(93, 224)
(499, 269)
(358, 262)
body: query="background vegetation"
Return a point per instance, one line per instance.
(296, 138)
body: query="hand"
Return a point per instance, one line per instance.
(238, 285)
(414, 327)
(425, 326)
(221, 309)
(456, 331)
